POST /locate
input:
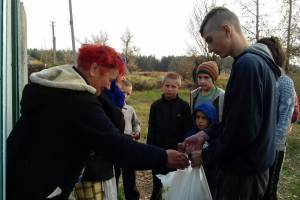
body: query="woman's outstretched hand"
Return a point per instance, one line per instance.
(176, 160)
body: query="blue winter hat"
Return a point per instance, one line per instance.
(209, 110)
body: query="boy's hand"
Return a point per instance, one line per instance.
(176, 160)
(196, 159)
(136, 135)
(195, 142)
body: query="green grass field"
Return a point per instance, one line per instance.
(290, 176)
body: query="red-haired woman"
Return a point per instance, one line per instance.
(62, 120)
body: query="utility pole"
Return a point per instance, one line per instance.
(54, 42)
(72, 32)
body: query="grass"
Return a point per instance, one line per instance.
(121, 195)
(289, 187)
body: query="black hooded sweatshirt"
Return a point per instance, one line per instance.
(244, 142)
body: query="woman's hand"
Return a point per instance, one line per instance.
(176, 160)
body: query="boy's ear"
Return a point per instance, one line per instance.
(228, 29)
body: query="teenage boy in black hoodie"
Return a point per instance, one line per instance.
(243, 145)
(170, 118)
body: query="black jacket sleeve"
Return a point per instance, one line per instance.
(101, 135)
(151, 126)
(188, 118)
(112, 111)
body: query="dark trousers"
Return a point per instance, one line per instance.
(241, 187)
(274, 173)
(157, 186)
(211, 173)
(129, 184)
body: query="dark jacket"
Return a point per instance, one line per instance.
(246, 141)
(112, 111)
(61, 121)
(97, 167)
(168, 122)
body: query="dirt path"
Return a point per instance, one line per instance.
(144, 184)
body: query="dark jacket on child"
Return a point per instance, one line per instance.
(168, 122)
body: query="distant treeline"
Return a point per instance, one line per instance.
(184, 65)
(181, 64)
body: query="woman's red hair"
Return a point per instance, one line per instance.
(102, 55)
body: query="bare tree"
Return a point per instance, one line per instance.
(198, 46)
(291, 27)
(256, 21)
(126, 42)
(251, 16)
(129, 51)
(288, 42)
(101, 38)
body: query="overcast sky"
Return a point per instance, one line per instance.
(159, 26)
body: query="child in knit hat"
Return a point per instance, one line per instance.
(205, 116)
(207, 73)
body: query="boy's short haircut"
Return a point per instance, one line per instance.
(126, 83)
(216, 18)
(173, 76)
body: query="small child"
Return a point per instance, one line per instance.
(170, 118)
(205, 116)
(132, 123)
(132, 129)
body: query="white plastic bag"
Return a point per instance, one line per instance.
(187, 184)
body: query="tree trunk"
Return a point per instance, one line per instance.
(288, 45)
(257, 20)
